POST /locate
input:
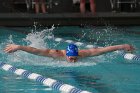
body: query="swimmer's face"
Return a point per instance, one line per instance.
(72, 58)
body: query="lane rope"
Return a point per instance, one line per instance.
(125, 55)
(52, 83)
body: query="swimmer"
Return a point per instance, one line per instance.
(71, 54)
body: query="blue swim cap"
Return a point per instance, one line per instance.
(72, 50)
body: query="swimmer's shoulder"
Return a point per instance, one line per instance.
(63, 52)
(83, 53)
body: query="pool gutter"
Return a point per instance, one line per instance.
(70, 19)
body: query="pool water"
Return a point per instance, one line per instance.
(107, 73)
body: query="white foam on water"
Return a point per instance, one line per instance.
(31, 59)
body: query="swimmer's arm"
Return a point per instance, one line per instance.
(98, 51)
(32, 50)
(12, 48)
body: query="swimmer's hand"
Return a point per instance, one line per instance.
(11, 48)
(128, 48)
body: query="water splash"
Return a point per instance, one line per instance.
(38, 39)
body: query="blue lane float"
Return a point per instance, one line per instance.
(54, 84)
(128, 56)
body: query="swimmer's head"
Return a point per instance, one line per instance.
(72, 50)
(72, 53)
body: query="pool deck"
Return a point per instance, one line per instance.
(70, 19)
